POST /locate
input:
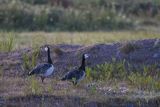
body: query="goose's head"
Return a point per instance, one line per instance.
(46, 48)
(85, 56)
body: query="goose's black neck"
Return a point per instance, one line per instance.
(82, 67)
(49, 57)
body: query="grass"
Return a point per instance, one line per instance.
(128, 47)
(58, 51)
(108, 75)
(34, 86)
(79, 16)
(36, 39)
(7, 42)
(17, 87)
(147, 79)
(29, 61)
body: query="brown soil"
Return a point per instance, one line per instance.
(66, 57)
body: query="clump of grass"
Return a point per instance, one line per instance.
(109, 70)
(30, 61)
(144, 82)
(50, 88)
(93, 89)
(1, 72)
(157, 44)
(88, 74)
(26, 62)
(128, 47)
(58, 51)
(34, 86)
(33, 39)
(34, 56)
(147, 79)
(7, 43)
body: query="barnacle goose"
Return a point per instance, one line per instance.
(76, 75)
(44, 70)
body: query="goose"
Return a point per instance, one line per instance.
(76, 75)
(44, 70)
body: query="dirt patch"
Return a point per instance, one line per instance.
(15, 87)
(69, 56)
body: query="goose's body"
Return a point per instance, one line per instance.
(44, 70)
(76, 75)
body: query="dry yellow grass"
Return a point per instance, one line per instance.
(32, 39)
(23, 86)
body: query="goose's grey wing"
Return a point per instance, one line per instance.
(71, 74)
(40, 69)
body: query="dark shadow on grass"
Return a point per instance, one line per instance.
(74, 101)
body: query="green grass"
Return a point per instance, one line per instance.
(7, 42)
(81, 15)
(128, 47)
(29, 61)
(36, 39)
(35, 86)
(111, 74)
(147, 79)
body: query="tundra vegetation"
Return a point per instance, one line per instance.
(26, 26)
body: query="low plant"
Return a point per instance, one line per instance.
(109, 70)
(49, 88)
(93, 89)
(128, 47)
(58, 51)
(144, 82)
(1, 72)
(7, 43)
(157, 43)
(29, 61)
(26, 62)
(34, 86)
(147, 79)
(34, 56)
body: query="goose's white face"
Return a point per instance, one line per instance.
(86, 56)
(46, 48)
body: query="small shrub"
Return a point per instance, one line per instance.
(93, 16)
(157, 44)
(40, 20)
(145, 80)
(26, 62)
(34, 86)
(30, 61)
(128, 47)
(34, 56)
(1, 72)
(109, 71)
(35, 2)
(50, 88)
(7, 44)
(93, 89)
(88, 73)
(58, 51)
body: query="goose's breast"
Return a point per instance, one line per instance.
(49, 71)
(82, 76)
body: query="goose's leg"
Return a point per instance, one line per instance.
(42, 78)
(75, 83)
